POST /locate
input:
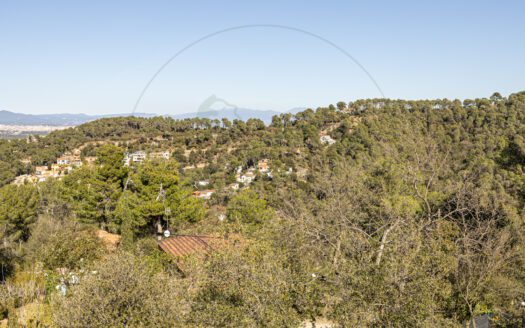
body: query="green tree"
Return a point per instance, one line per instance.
(162, 198)
(110, 161)
(341, 105)
(18, 210)
(128, 217)
(247, 210)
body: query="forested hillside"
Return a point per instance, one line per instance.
(375, 213)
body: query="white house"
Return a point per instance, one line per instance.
(63, 160)
(203, 194)
(327, 140)
(41, 170)
(136, 157)
(233, 186)
(160, 155)
(203, 183)
(246, 178)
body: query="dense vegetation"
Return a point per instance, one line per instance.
(415, 217)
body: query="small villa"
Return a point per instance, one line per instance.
(203, 194)
(262, 166)
(326, 139)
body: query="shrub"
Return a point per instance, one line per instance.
(124, 292)
(62, 244)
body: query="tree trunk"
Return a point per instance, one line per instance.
(382, 246)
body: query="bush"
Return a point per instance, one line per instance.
(60, 244)
(245, 288)
(124, 292)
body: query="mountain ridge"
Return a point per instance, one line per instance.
(69, 119)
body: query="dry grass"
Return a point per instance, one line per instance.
(110, 240)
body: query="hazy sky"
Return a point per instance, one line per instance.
(96, 56)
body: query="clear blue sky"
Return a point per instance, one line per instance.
(95, 56)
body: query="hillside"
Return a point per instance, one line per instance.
(378, 212)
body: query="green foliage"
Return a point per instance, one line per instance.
(413, 218)
(111, 166)
(59, 244)
(7, 173)
(18, 209)
(128, 216)
(162, 197)
(124, 292)
(253, 289)
(247, 209)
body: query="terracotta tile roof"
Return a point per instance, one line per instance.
(183, 245)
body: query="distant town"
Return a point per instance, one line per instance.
(72, 159)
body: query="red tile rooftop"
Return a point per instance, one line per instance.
(184, 245)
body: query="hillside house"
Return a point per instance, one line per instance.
(262, 166)
(70, 159)
(233, 186)
(63, 160)
(200, 246)
(326, 139)
(379, 105)
(136, 157)
(41, 171)
(203, 183)
(126, 160)
(246, 178)
(203, 194)
(184, 245)
(76, 161)
(164, 155)
(57, 170)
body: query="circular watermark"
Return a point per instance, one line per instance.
(207, 105)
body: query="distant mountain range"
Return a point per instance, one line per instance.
(11, 118)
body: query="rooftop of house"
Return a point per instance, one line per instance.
(184, 245)
(201, 245)
(202, 192)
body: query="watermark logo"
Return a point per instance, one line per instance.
(208, 104)
(214, 107)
